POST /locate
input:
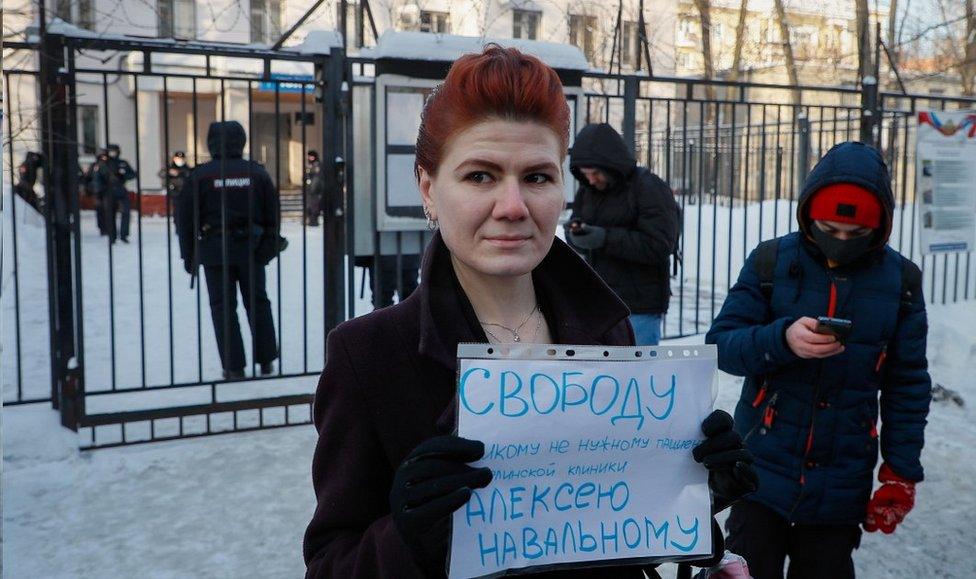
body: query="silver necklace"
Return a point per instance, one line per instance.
(514, 331)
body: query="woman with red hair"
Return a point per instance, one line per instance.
(387, 477)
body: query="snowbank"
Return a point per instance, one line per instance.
(236, 505)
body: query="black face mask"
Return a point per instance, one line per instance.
(842, 251)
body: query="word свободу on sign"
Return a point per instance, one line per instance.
(591, 457)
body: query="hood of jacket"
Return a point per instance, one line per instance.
(600, 145)
(226, 140)
(856, 163)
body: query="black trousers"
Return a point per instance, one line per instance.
(389, 278)
(120, 204)
(765, 539)
(223, 310)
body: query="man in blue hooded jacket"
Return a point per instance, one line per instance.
(809, 406)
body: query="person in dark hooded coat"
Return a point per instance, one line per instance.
(110, 180)
(625, 220)
(809, 407)
(227, 221)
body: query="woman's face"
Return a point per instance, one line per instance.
(497, 196)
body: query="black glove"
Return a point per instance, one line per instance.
(588, 236)
(428, 487)
(188, 266)
(268, 247)
(729, 464)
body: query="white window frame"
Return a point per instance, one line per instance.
(521, 18)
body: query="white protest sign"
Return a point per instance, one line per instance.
(945, 174)
(590, 447)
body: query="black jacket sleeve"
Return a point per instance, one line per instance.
(188, 199)
(351, 534)
(270, 204)
(651, 240)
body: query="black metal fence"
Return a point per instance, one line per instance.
(114, 336)
(736, 156)
(132, 354)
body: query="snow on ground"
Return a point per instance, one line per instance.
(236, 505)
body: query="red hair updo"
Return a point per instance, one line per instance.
(500, 83)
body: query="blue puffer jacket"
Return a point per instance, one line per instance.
(812, 424)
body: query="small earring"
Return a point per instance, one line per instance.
(431, 223)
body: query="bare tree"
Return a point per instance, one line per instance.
(863, 39)
(955, 47)
(740, 34)
(967, 69)
(784, 33)
(892, 41)
(705, 17)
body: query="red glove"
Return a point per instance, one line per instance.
(890, 503)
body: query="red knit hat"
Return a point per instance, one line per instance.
(846, 203)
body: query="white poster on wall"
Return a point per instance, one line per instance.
(591, 452)
(945, 176)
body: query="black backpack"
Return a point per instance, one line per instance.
(765, 266)
(676, 257)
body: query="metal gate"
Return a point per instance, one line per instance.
(113, 335)
(132, 349)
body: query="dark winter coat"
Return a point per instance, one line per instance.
(227, 200)
(816, 452)
(111, 175)
(640, 216)
(389, 384)
(27, 171)
(175, 178)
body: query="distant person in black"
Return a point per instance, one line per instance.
(93, 189)
(27, 179)
(314, 188)
(390, 277)
(227, 221)
(175, 176)
(109, 180)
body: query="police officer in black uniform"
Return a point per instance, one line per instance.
(314, 189)
(175, 176)
(227, 221)
(94, 189)
(27, 179)
(110, 179)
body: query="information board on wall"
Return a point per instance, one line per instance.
(591, 452)
(945, 176)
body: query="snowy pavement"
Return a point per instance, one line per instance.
(236, 505)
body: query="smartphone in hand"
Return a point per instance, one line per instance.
(837, 327)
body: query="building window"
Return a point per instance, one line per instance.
(688, 30)
(265, 21)
(628, 43)
(88, 125)
(436, 22)
(80, 13)
(177, 19)
(581, 32)
(525, 24)
(717, 31)
(684, 60)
